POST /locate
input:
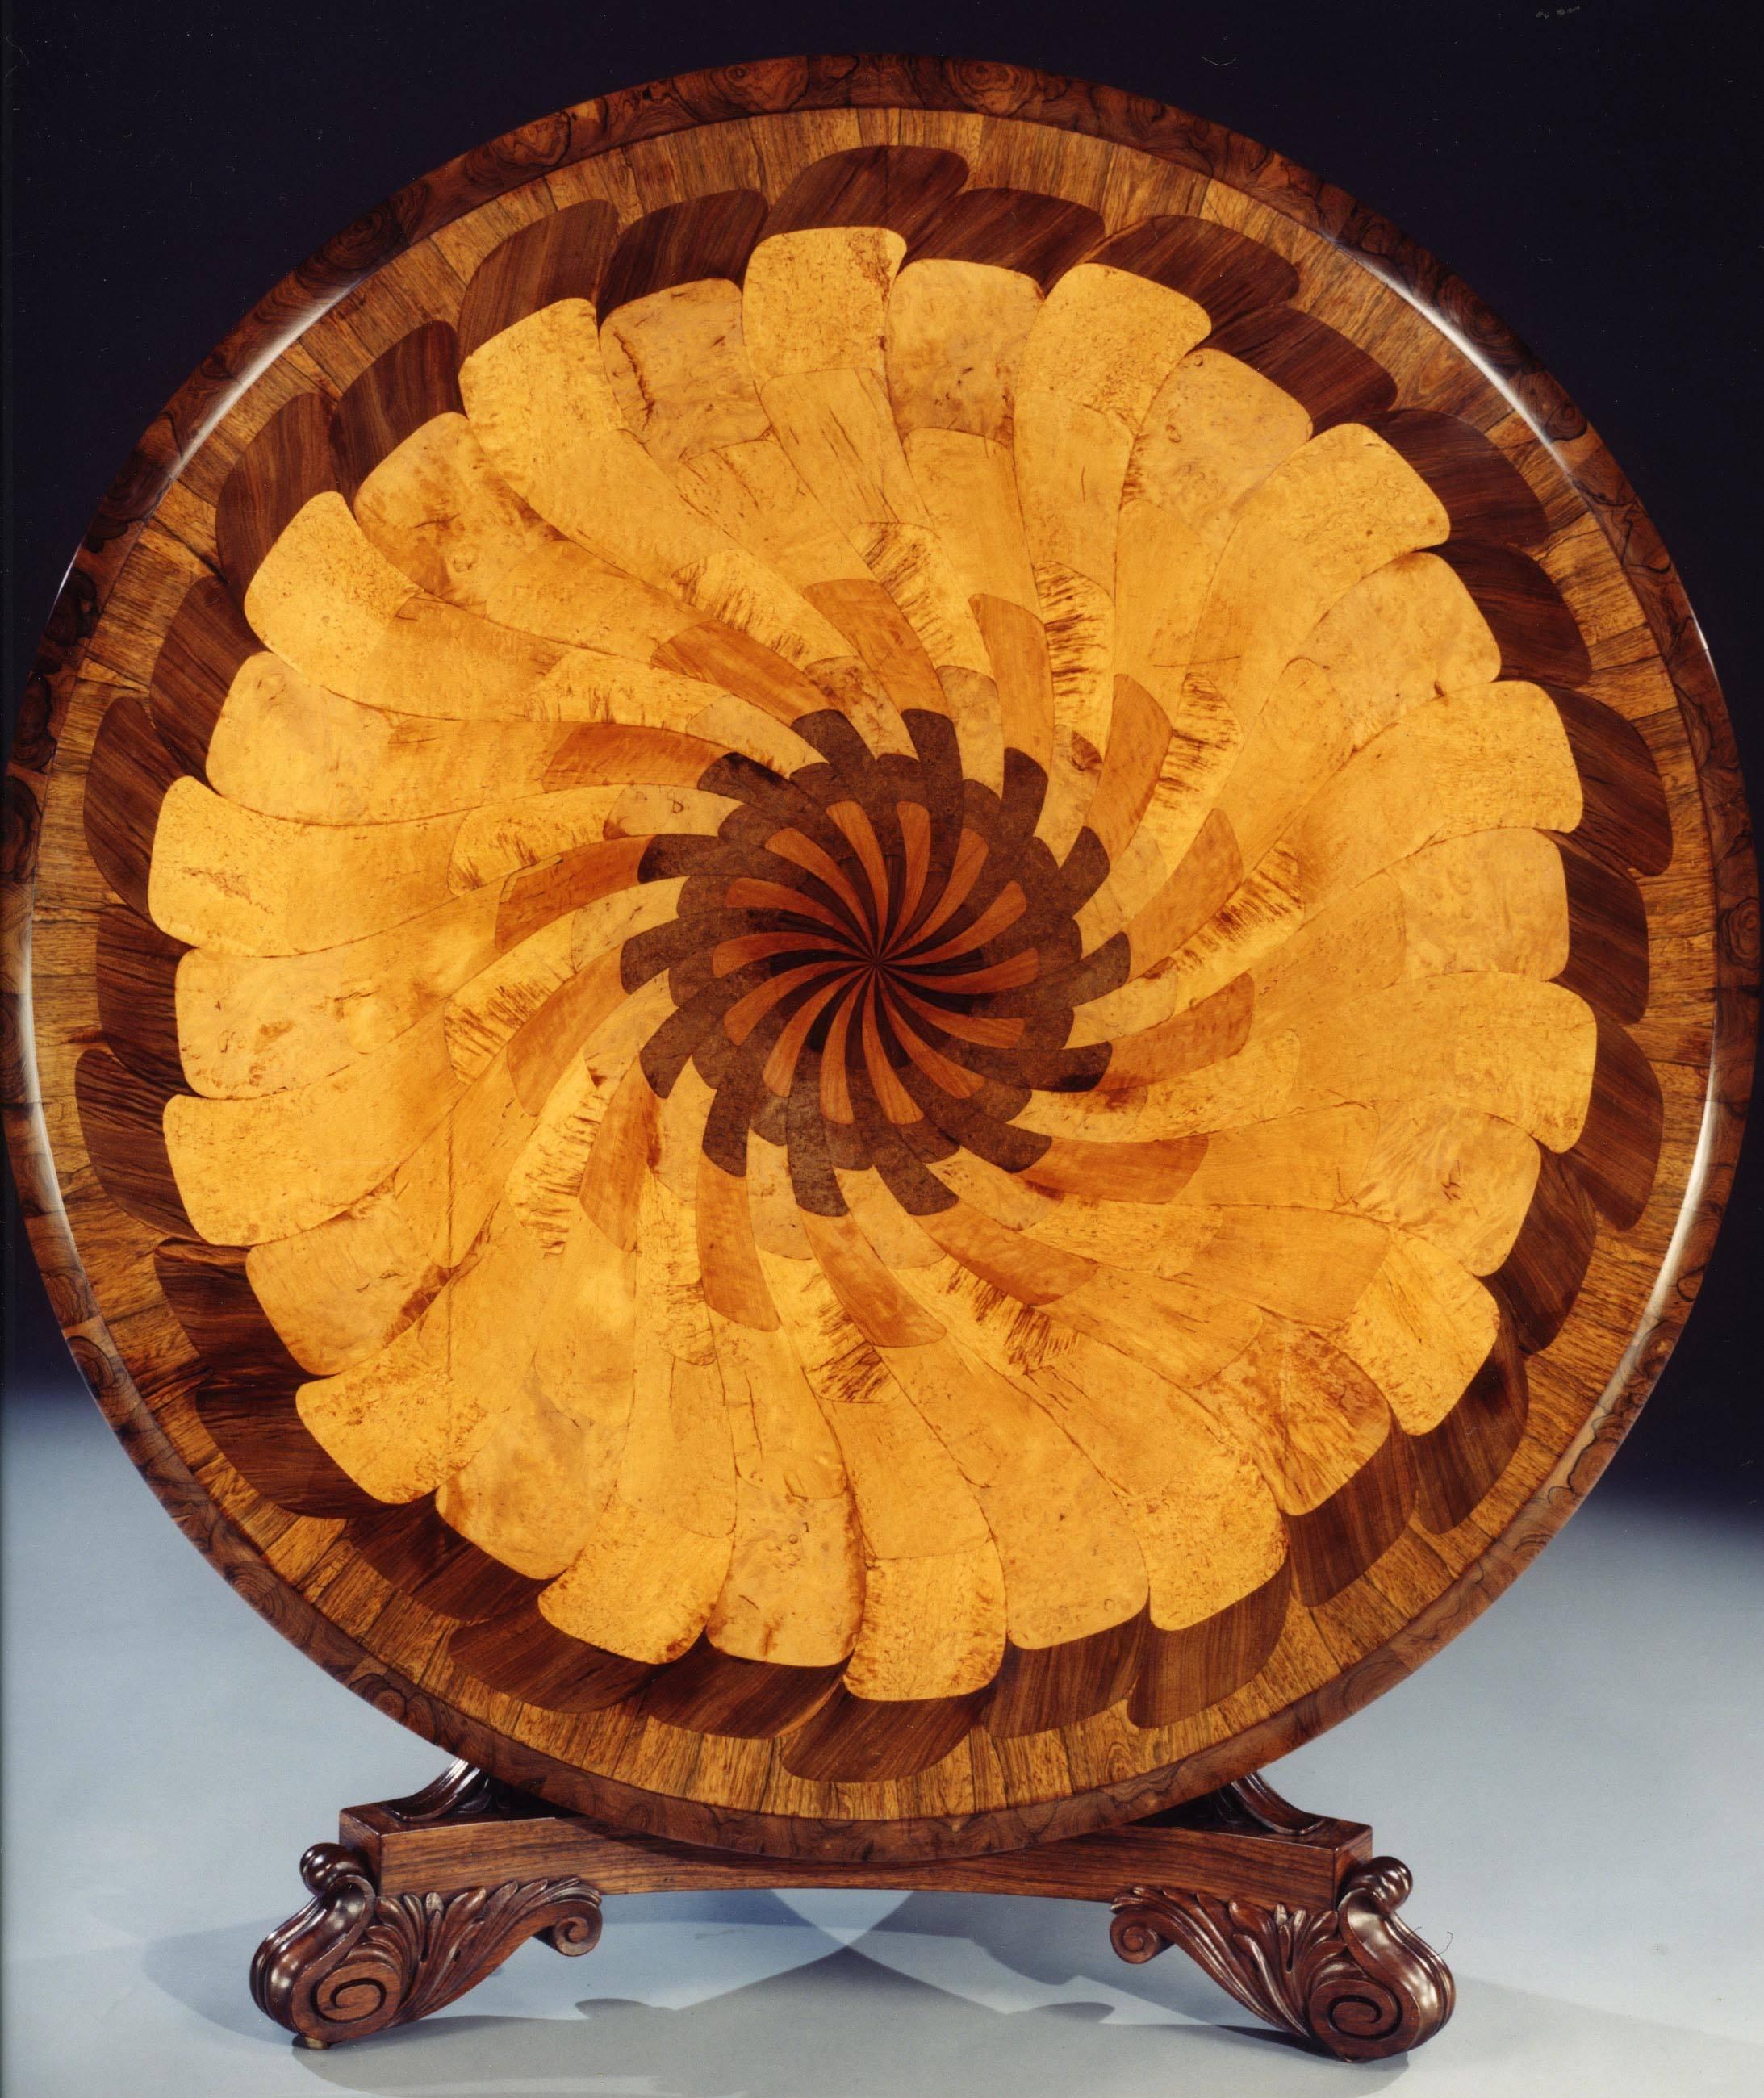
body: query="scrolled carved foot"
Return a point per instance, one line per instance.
(1353, 1979)
(355, 1961)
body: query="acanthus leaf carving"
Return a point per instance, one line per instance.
(355, 1961)
(1353, 1979)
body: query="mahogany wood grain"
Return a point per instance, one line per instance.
(1245, 1860)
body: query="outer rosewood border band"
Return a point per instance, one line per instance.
(775, 87)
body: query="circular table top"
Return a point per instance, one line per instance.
(886, 981)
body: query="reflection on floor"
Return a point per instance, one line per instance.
(1571, 1783)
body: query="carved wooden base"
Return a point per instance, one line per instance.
(1352, 1979)
(420, 1898)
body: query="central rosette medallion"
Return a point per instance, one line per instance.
(873, 966)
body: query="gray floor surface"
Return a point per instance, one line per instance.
(1573, 1783)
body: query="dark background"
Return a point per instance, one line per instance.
(1588, 168)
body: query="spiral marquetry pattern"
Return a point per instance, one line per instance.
(876, 965)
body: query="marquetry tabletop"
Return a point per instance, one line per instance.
(883, 943)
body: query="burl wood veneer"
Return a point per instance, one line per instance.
(883, 947)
